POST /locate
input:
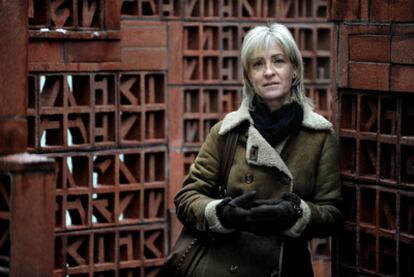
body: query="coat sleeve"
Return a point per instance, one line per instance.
(326, 215)
(200, 185)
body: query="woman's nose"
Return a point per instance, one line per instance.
(269, 70)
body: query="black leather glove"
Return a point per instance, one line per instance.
(292, 197)
(232, 212)
(270, 217)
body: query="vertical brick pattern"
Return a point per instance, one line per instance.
(375, 102)
(107, 132)
(123, 93)
(13, 123)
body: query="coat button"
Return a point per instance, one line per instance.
(254, 153)
(248, 178)
(233, 268)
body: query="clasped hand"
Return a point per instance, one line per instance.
(261, 217)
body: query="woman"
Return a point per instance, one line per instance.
(284, 184)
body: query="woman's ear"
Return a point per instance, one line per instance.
(294, 74)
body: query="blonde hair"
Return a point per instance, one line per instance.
(262, 38)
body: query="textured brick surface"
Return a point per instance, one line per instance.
(73, 67)
(144, 46)
(127, 187)
(402, 78)
(342, 56)
(13, 135)
(401, 11)
(175, 43)
(364, 10)
(375, 90)
(370, 43)
(123, 94)
(13, 85)
(382, 10)
(68, 15)
(344, 10)
(369, 131)
(27, 179)
(144, 59)
(370, 48)
(112, 15)
(373, 76)
(80, 110)
(175, 108)
(141, 34)
(46, 52)
(402, 49)
(176, 174)
(92, 52)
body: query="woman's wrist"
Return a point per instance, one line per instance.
(300, 225)
(210, 214)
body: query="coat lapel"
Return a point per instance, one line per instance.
(258, 150)
(314, 121)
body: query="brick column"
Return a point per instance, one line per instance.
(27, 215)
(374, 84)
(13, 72)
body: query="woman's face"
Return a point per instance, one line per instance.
(271, 74)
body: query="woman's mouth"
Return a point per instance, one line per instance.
(270, 84)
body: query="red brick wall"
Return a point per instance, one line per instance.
(13, 60)
(374, 83)
(23, 178)
(122, 94)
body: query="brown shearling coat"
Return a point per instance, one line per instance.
(307, 165)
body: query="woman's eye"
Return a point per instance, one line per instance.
(278, 61)
(258, 64)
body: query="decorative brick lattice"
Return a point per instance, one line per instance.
(123, 100)
(77, 19)
(379, 146)
(68, 14)
(383, 149)
(132, 251)
(227, 9)
(142, 105)
(82, 110)
(111, 187)
(103, 189)
(203, 107)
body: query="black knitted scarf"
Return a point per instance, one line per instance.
(277, 125)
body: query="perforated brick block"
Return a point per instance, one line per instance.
(113, 187)
(72, 16)
(124, 93)
(377, 158)
(203, 107)
(374, 60)
(140, 8)
(132, 250)
(80, 110)
(369, 132)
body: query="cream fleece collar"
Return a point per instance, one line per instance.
(258, 150)
(311, 119)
